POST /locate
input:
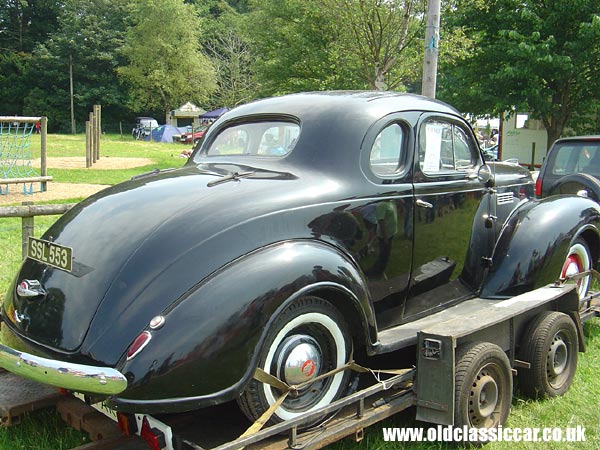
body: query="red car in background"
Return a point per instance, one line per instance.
(186, 138)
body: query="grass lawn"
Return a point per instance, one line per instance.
(580, 406)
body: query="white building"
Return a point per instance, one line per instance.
(524, 139)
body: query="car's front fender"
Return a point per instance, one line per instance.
(534, 242)
(206, 351)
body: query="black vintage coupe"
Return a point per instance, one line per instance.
(304, 230)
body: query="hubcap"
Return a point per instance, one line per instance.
(484, 398)
(300, 359)
(558, 358)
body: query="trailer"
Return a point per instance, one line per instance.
(466, 359)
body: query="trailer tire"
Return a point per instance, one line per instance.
(483, 386)
(314, 330)
(550, 344)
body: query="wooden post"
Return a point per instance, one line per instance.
(98, 131)
(92, 137)
(532, 156)
(27, 229)
(88, 144)
(43, 156)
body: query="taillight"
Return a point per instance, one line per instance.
(538, 186)
(153, 436)
(138, 344)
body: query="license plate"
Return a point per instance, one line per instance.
(50, 253)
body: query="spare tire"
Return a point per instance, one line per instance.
(576, 182)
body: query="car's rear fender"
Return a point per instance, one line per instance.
(534, 242)
(207, 349)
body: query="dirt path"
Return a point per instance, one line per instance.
(104, 163)
(58, 191)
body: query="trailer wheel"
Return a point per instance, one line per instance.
(550, 345)
(579, 259)
(483, 386)
(309, 338)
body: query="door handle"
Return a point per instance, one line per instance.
(424, 204)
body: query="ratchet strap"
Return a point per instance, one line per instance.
(266, 378)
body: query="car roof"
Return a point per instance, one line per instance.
(369, 104)
(590, 138)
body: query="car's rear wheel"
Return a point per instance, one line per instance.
(578, 260)
(309, 338)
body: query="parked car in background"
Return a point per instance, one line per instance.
(304, 231)
(491, 153)
(189, 137)
(143, 127)
(571, 167)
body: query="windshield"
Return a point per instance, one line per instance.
(577, 157)
(270, 139)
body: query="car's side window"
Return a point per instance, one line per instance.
(445, 147)
(386, 153)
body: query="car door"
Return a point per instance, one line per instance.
(387, 214)
(451, 204)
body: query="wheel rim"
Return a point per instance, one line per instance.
(557, 361)
(578, 261)
(485, 403)
(308, 346)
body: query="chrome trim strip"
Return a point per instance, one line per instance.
(76, 377)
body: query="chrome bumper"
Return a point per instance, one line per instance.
(74, 377)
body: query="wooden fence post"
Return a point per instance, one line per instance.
(92, 137)
(98, 130)
(27, 229)
(88, 144)
(43, 156)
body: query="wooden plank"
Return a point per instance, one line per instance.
(83, 417)
(114, 443)
(35, 210)
(19, 396)
(24, 180)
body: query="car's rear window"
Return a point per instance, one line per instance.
(577, 157)
(270, 139)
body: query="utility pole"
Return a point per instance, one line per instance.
(432, 39)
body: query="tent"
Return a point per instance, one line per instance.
(164, 133)
(215, 114)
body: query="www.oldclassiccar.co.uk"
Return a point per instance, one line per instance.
(499, 434)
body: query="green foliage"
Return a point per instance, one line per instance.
(535, 56)
(386, 35)
(23, 24)
(90, 33)
(230, 53)
(165, 65)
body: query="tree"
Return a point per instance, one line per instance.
(305, 45)
(166, 66)
(229, 51)
(385, 34)
(81, 53)
(538, 56)
(294, 43)
(24, 23)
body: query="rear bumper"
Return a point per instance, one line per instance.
(75, 377)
